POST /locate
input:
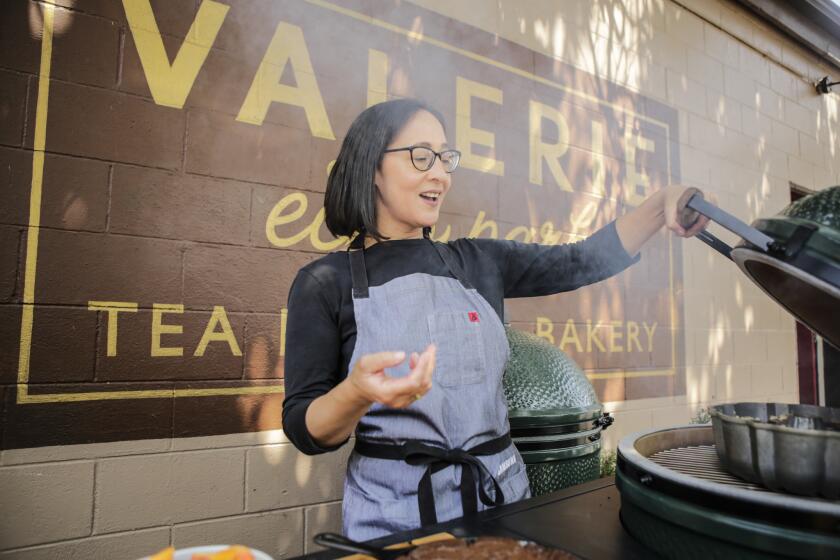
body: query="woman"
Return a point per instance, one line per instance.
(432, 433)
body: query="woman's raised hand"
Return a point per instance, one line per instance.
(372, 384)
(673, 198)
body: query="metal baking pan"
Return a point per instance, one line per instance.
(785, 447)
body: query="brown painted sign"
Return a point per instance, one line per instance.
(165, 167)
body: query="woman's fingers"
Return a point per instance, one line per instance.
(373, 363)
(424, 369)
(704, 220)
(672, 211)
(399, 392)
(698, 226)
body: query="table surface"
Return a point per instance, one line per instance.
(582, 519)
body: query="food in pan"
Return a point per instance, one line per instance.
(486, 548)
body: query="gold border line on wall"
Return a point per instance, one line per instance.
(39, 144)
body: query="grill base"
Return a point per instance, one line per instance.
(552, 476)
(673, 541)
(677, 499)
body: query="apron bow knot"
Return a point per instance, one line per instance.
(474, 473)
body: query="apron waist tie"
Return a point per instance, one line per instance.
(473, 474)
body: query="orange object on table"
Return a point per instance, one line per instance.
(166, 554)
(236, 552)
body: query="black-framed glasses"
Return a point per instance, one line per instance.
(423, 157)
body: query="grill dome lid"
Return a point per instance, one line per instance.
(793, 257)
(541, 381)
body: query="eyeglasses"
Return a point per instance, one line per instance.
(423, 158)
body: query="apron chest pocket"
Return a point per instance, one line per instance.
(460, 348)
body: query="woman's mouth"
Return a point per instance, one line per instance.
(431, 198)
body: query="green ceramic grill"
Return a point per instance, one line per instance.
(555, 417)
(690, 491)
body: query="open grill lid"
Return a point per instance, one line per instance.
(794, 257)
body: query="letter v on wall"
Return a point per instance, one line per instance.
(171, 83)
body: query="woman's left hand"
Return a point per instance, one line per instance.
(661, 208)
(672, 210)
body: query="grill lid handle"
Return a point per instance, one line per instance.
(692, 204)
(604, 421)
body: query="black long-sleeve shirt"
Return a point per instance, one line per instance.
(321, 327)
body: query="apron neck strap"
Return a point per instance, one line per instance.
(358, 271)
(456, 270)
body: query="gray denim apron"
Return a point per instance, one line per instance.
(425, 463)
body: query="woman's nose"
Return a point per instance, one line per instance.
(437, 171)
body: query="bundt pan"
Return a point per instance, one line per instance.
(784, 447)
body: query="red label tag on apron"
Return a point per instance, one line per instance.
(473, 316)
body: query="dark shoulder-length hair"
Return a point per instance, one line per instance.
(350, 199)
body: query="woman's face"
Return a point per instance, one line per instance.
(410, 200)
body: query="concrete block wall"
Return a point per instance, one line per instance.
(126, 500)
(750, 124)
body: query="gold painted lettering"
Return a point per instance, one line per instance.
(284, 314)
(633, 141)
(481, 224)
(633, 336)
(466, 135)
(526, 232)
(581, 221)
(377, 91)
(545, 328)
(592, 336)
(219, 317)
(159, 329)
(649, 331)
(287, 46)
(171, 84)
(548, 236)
(551, 153)
(278, 217)
(112, 308)
(292, 207)
(598, 170)
(616, 336)
(444, 237)
(570, 335)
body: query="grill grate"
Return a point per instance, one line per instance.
(701, 462)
